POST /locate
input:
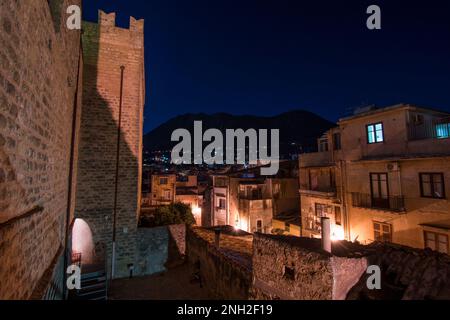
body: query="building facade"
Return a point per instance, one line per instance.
(163, 189)
(249, 202)
(387, 170)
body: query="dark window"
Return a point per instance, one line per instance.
(221, 182)
(287, 227)
(382, 232)
(222, 203)
(337, 141)
(323, 145)
(379, 190)
(289, 273)
(436, 241)
(259, 226)
(167, 195)
(322, 210)
(163, 181)
(418, 119)
(375, 133)
(432, 185)
(276, 190)
(313, 219)
(337, 216)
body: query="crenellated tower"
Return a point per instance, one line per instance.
(110, 152)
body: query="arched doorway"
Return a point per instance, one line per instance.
(82, 242)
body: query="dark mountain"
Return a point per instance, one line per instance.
(299, 129)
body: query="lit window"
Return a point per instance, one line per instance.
(443, 130)
(375, 133)
(436, 241)
(382, 232)
(432, 185)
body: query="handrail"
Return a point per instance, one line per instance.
(29, 213)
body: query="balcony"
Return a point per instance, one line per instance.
(316, 159)
(253, 197)
(325, 192)
(252, 205)
(391, 203)
(436, 129)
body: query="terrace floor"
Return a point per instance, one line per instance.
(174, 284)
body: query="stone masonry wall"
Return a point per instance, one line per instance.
(222, 277)
(288, 272)
(105, 49)
(38, 75)
(160, 248)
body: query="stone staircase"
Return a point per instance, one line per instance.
(94, 285)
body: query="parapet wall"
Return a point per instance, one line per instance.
(291, 268)
(160, 248)
(223, 277)
(294, 268)
(285, 273)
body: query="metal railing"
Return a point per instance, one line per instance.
(323, 189)
(436, 129)
(254, 196)
(389, 203)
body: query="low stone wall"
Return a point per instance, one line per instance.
(292, 268)
(224, 272)
(160, 248)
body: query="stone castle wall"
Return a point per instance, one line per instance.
(160, 248)
(106, 48)
(38, 82)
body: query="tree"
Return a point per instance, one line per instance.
(175, 213)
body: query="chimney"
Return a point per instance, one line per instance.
(217, 238)
(326, 234)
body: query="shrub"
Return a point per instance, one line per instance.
(175, 213)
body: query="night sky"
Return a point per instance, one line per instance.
(266, 57)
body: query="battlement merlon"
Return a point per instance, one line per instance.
(109, 20)
(106, 19)
(106, 26)
(136, 25)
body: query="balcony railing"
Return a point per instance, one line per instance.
(390, 203)
(319, 191)
(255, 204)
(437, 129)
(257, 196)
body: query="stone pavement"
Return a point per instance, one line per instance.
(174, 284)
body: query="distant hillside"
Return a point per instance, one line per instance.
(298, 129)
